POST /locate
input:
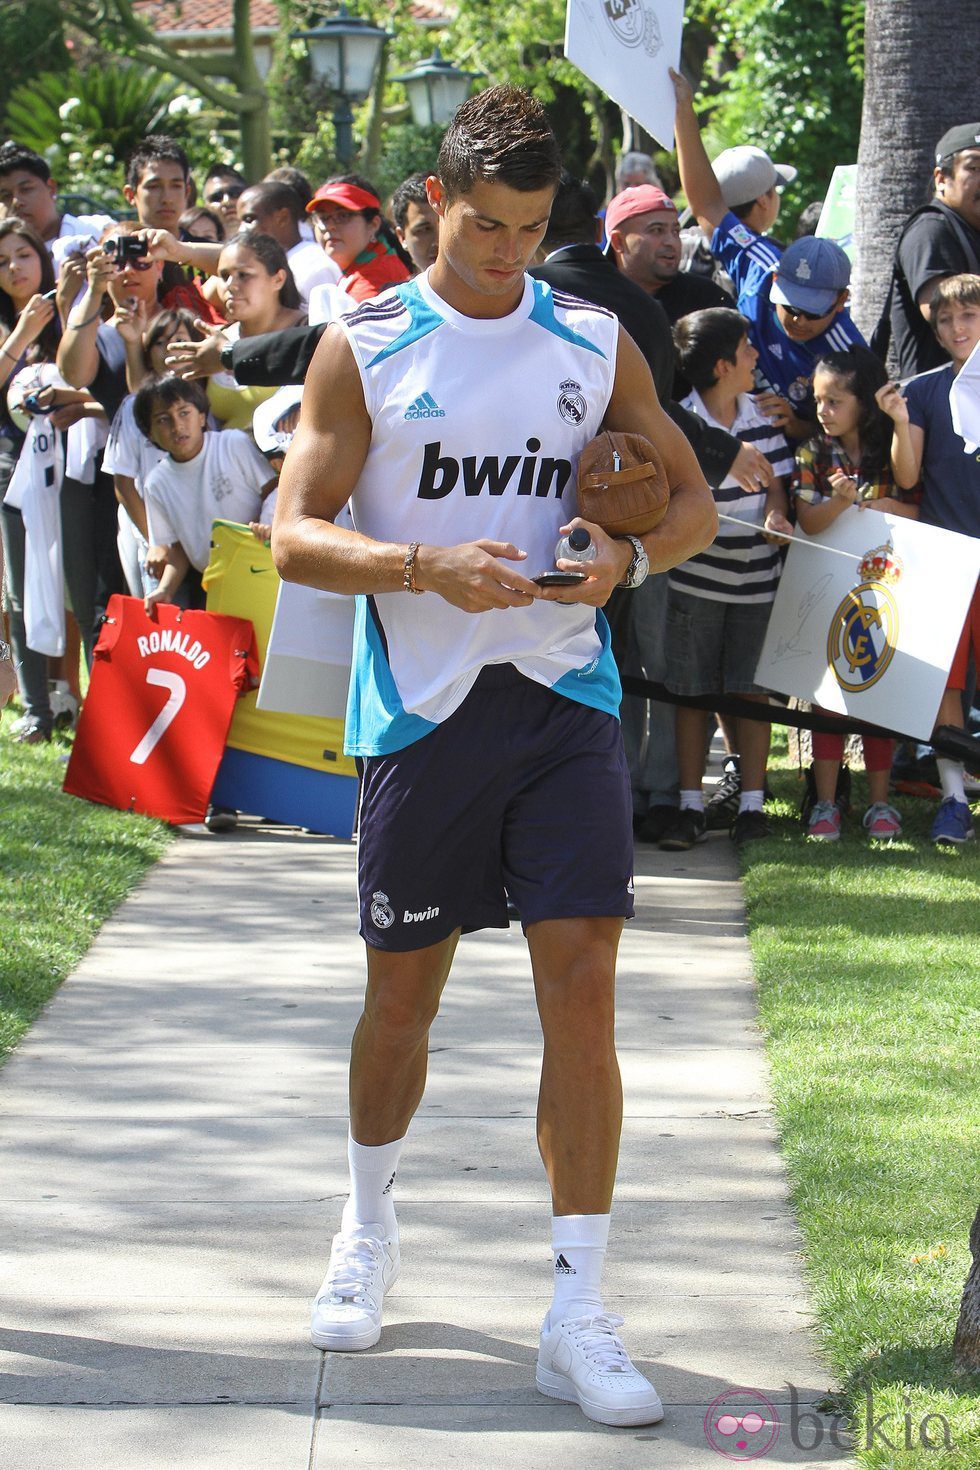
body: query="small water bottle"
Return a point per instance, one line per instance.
(576, 546)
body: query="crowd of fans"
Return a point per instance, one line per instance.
(142, 363)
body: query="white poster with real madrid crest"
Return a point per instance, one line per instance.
(626, 48)
(867, 619)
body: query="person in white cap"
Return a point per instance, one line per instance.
(795, 300)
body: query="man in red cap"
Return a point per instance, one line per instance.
(645, 237)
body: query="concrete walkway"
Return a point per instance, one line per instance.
(172, 1166)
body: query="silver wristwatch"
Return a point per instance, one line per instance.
(639, 567)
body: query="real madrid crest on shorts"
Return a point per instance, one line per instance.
(864, 628)
(382, 914)
(571, 402)
(634, 23)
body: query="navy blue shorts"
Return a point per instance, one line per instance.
(521, 789)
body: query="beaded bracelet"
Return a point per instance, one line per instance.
(408, 581)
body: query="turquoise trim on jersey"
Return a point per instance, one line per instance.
(543, 313)
(377, 721)
(423, 321)
(596, 683)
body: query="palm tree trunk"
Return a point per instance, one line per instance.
(966, 1343)
(919, 80)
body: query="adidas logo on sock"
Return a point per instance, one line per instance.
(387, 1188)
(425, 407)
(562, 1268)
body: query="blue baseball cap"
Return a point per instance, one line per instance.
(811, 274)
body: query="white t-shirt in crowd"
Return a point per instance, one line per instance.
(78, 233)
(129, 452)
(224, 482)
(311, 267)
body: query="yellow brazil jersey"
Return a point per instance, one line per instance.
(241, 580)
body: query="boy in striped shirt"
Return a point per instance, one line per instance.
(718, 602)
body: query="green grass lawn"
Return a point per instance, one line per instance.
(868, 965)
(64, 866)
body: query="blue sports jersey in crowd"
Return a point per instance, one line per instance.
(787, 366)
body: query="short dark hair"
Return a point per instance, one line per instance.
(702, 337)
(272, 256)
(809, 219)
(155, 148)
(164, 392)
(15, 155)
(501, 136)
(296, 180)
(573, 214)
(224, 171)
(409, 191)
(273, 194)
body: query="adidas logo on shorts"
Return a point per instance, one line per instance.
(425, 407)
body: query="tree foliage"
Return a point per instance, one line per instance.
(777, 76)
(33, 41)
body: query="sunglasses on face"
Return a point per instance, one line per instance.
(795, 314)
(230, 191)
(133, 265)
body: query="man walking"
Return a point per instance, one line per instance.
(451, 411)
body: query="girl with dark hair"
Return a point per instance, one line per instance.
(259, 295)
(848, 464)
(349, 225)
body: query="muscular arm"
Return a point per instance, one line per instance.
(322, 467)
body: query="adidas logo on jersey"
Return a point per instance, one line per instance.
(533, 474)
(425, 407)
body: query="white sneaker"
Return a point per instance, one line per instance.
(347, 1308)
(582, 1360)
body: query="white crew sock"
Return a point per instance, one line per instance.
(579, 1244)
(951, 778)
(690, 801)
(372, 1174)
(751, 801)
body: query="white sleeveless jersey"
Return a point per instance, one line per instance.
(478, 426)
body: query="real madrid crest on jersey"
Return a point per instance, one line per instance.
(382, 914)
(864, 628)
(571, 402)
(634, 24)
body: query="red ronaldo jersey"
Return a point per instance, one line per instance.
(160, 701)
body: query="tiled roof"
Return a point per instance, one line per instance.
(185, 17)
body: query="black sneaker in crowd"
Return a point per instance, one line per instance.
(221, 819)
(721, 809)
(750, 827)
(655, 824)
(685, 830)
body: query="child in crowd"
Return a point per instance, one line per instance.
(129, 454)
(924, 443)
(847, 464)
(205, 476)
(718, 602)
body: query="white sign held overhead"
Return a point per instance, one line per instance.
(627, 48)
(872, 633)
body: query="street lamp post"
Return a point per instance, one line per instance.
(344, 52)
(435, 89)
